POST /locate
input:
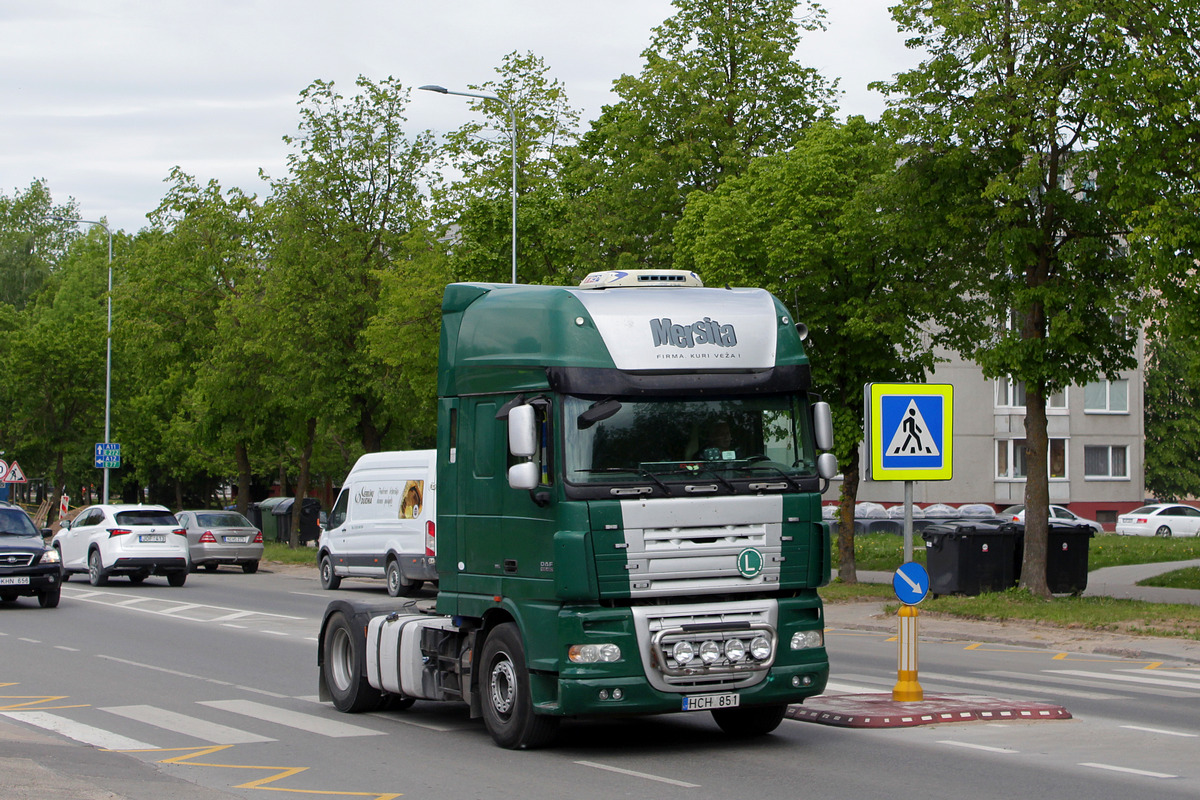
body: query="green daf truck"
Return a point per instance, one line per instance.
(628, 485)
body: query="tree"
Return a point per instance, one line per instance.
(1013, 91)
(820, 227)
(32, 242)
(720, 87)
(478, 207)
(1172, 401)
(353, 192)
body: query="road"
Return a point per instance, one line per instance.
(209, 699)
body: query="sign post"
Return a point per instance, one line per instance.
(911, 583)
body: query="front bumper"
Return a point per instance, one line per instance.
(41, 578)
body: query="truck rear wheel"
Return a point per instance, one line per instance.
(342, 667)
(504, 684)
(744, 723)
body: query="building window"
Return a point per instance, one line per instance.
(1106, 397)
(1011, 461)
(1106, 461)
(1011, 394)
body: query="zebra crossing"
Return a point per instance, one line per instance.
(151, 727)
(1118, 685)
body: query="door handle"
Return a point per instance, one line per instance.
(510, 565)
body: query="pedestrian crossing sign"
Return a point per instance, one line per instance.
(910, 431)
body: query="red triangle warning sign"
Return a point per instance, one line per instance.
(15, 474)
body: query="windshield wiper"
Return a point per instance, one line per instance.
(645, 473)
(760, 466)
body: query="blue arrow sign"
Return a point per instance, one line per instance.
(911, 583)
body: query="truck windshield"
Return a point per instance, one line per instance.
(678, 439)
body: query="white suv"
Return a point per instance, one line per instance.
(133, 540)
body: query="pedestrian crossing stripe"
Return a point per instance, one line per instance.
(910, 429)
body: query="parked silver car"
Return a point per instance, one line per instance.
(221, 537)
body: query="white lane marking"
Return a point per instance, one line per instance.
(256, 690)
(982, 747)
(1180, 673)
(291, 719)
(175, 672)
(1109, 676)
(97, 737)
(275, 633)
(68, 649)
(1127, 770)
(1160, 730)
(849, 688)
(405, 719)
(634, 774)
(234, 615)
(184, 607)
(180, 723)
(312, 594)
(31, 641)
(1024, 688)
(173, 607)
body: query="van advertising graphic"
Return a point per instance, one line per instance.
(414, 494)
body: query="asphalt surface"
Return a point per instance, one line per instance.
(87, 773)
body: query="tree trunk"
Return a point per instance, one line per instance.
(302, 483)
(847, 499)
(244, 477)
(1037, 493)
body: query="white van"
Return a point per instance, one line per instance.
(383, 524)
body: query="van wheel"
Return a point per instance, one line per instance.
(744, 723)
(507, 705)
(396, 586)
(96, 574)
(328, 579)
(342, 667)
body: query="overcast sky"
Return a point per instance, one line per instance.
(103, 97)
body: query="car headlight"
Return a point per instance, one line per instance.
(49, 556)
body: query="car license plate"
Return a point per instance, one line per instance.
(152, 537)
(707, 702)
(15, 580)
(236, 539)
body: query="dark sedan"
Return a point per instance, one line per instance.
(27, 566)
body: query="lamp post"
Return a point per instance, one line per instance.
(513, 140)
(108, 352)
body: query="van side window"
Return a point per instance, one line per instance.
(337, 515)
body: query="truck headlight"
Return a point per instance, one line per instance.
(710, 651)
(805, 640)
(760, 648)
(594, 653)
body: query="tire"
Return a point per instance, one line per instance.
(396, 587)
(1163, 531)
(177, 578)
(745, 723)
(342, 667)
(137, 578)
(250, 567)
(7, 597)
(96, 574)
(504, 687)
(66, 576)
(328, 579)
(49, 598)
(211, 566)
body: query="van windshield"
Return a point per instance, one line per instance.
(679, 439)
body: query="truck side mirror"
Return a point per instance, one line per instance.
(522, 431)
(827, 466)
(822, 426)
(524, 475)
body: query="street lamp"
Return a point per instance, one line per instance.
(513, 139)
(108, 354)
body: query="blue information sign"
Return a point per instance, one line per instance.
(911, 583)
(108, 455)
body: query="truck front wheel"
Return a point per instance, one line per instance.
(751, 721)
(342, 667)
(507, 705)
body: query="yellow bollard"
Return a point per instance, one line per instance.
(907, 690)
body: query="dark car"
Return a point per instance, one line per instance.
(27, 566)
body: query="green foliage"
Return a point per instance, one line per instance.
(1186, 578)
(719, 87)
(31, 241)
(1172, 400)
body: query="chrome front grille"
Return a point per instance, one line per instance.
(660, 627)
(15, 559)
